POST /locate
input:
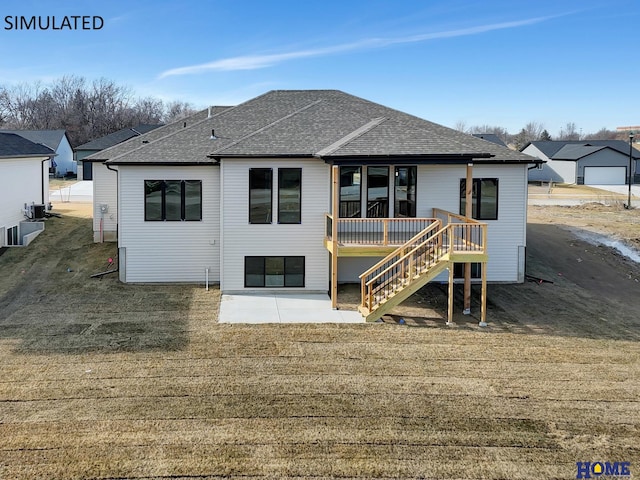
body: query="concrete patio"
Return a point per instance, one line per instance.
(283, 308)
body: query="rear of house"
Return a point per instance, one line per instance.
(255, 196)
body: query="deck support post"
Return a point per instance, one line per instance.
(483, 301)
(335, 213)
(450, 299)
(469, 214)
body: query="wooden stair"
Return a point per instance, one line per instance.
(402, 272)
(402, 290)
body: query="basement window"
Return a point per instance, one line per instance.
(273, 272)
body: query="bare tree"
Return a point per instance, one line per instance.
(603, 134)
(533, 131)
(461, 126)
(569, 132)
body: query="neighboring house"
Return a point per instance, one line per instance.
(85, 172)
(57, 140)
(24, 168)
(105, 189)
(588, 162)
(300, 190)
(490, 137)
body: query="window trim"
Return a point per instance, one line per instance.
(264, 271)
(477, 188)
(280, 171)
(163, 202)
(269, 220)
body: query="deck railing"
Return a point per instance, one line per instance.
(465, 234)
(376, 231)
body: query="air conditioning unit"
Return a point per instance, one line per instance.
(37, 211)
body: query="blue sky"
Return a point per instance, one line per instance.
(494, 62)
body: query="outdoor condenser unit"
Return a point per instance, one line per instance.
(38, 211)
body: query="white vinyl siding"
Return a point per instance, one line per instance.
(439, 186)
(21, 184)
(178, 251)
(244, 239)
(105, 192)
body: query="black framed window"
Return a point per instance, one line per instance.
(377, 192)
(484, 200)
(12, 236)
(273, 272)
(350, 191)
(405, 191)
(289, 195)
(260, 195)
(172, 200)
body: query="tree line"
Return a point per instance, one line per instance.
(85, 109)
(534, 131)
(92, 109)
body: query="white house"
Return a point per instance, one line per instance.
(588, 162)
(63, 164)
(299, 190)
(24, 194)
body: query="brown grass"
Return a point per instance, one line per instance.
(103, 380)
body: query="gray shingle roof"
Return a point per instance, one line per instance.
(116, 137)
(49, 138)
(13, 145)
(136, 142)
(322, 123)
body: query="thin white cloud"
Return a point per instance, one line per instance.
(253, 62)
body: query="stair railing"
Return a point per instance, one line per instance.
(399, 267)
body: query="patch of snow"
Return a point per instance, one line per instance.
(598, 239)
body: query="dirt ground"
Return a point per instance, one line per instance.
(102, 380)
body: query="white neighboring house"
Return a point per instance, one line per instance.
(24, 167)
(58, 141)
(588, 162)
(297, 190)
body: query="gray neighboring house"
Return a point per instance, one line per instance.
(85, 170)
(57, 140)
(588, 162)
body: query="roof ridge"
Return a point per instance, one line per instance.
(350, 137)
(168, 135)
(262, 129)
